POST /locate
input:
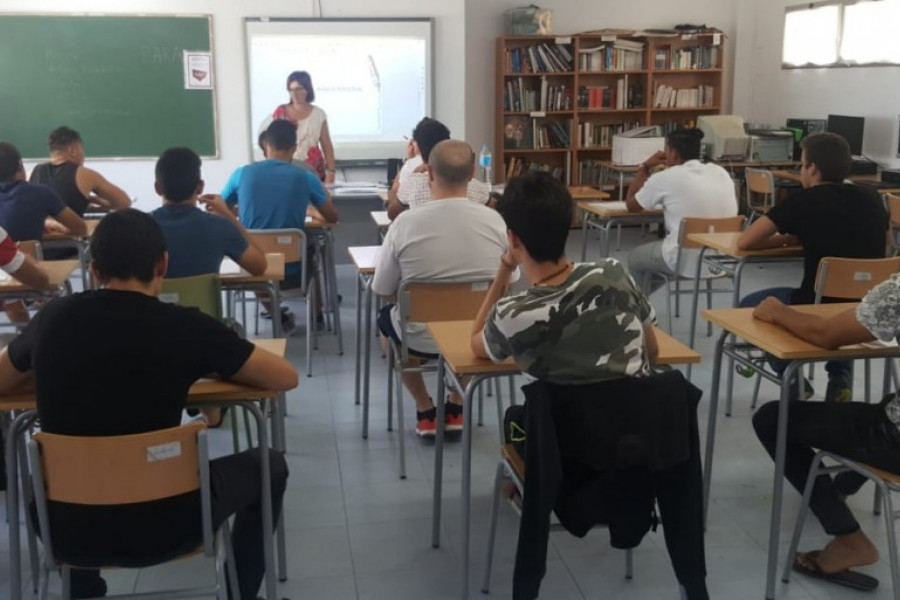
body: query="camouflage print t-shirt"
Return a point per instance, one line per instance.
(588, 329)
(879, 312)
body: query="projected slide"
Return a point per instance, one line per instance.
(374, 88)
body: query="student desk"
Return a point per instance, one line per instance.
(453, 339)
(363, 258)
(603, 215)
(738, 323)
(323, 235)
(58, 271)
(80, 243)
(234, 278)
(203, 392)
(731, 260)
(382, 222)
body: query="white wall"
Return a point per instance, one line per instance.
(765, 92)
(136, 176)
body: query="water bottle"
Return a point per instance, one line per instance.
(485, 161)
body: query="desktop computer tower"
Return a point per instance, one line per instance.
(805, 127)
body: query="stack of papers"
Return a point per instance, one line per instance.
(229, 267)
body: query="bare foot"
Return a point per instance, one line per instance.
(847, 551)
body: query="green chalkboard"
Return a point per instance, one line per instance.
(118, 80)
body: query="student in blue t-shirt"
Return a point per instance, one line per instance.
(275, 194)
(197, 241)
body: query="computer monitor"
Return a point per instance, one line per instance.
(851, 129)
(724, 136)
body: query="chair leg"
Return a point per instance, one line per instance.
(708, 305)
(867, 369)
(669, 303)
(801, 517)
(310, 325)
(492, 532)
(235, 436)
(66, 573)
(677, 296)
(481, 405)
(45, 582)
(401, 423)
(27, 497)
(756, 391)
(390, 386)
(248, 432)
(891, 537)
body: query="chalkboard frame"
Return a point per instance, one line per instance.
(213, 92)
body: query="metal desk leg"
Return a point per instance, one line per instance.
(711, 422)
(331, 274)
(18, 425)
(367, 360)
(692, 334)
(438, 459)
(276, 310)
(359, 336)
(604, 228)
(474, 383)
(279, 442)
(778, 487)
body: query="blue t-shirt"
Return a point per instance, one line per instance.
(274, 194)
(23, 208)
(196, 240)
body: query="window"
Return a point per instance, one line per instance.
(842, 34)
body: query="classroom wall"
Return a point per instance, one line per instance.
(765, 92)
(136, 176)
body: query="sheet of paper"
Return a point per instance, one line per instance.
(229, 267)
(614, 205)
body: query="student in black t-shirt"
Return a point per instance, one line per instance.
(828, 218)
(151, 353)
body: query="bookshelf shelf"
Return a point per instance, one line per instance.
(586, 82)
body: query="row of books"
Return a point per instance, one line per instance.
(666, 96)
(539, 58)
(594, 135)
(591, 172)
(517, 166)
(535, 134)
(519, 97)
(620, 96)
(697, 57)
(621, 55)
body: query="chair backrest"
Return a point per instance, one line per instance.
(123, 469)
(32, 248)
(289, 242)
(852, 278)
(760, 182)
(201, 291)
(691, 225)
(893, 206)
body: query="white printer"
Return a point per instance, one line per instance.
(770, 145)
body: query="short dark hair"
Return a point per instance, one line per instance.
(427, 134)
(685, 142)
(127, 244)
(282, 134)
(178, 173)
(538, 209)
(10, 161)
(830, 153)
(62, 137)
(303, 78)
(261, 141)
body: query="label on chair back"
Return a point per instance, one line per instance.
(169, 297)
(163, 451)
(712, 229)
(284, 240)
(862, 276)
(481, 286)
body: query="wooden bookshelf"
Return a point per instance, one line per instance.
(561, 99)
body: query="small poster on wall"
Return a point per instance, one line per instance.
(198, 73)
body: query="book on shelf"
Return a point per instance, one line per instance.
(517, 165)
(550, 134)
(517, 133)
(621, 55)
(595, 135)
(523, 95)
(539, 58)
(683, 59)
(619, 95)
(665, 96)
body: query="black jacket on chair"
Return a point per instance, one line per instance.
(602, 454)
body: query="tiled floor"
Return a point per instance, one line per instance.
(355, 531)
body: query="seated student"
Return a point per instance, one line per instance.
(275, 194)
(864, 432)
(828, 218)
(411, 186)
(449, 237)
(686, 188)
(197, 241)
(155, 351)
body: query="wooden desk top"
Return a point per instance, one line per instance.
(585, 192)
(364, 257)
(453, 339)
(203, 390)
(55, 237)
(614, 210)
(782, 344)
(274, 271)
(726, 243)
(57, 270)
(381, 218)
(383, 194)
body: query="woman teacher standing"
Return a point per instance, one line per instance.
(314, 145)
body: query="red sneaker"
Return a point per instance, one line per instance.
(426, 422)
(453, 417)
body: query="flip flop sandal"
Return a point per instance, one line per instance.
(807, 564)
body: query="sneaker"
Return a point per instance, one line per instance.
(287, 323)
(838, 390)
(808, 390)
(426, 422)
(453, 417)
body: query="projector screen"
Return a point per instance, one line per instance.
(372, 77)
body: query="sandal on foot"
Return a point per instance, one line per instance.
(807, 563)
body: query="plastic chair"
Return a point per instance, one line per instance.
(115, 470)
(423, 301)
(203, 292)
(760, 192)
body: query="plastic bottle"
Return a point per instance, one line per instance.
(485, 161)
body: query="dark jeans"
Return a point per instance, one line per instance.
(235, 483)
(860, 432)
(841, 370)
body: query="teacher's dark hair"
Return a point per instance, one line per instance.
(61, 138)
(178, 174)
(127, 244)
(281, 134)
(685, 143)
(538, 209)
(10, 161)
(303, 78)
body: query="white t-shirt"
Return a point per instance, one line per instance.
(692, 189)
(443, 239)
(416, 191)
(406, 170)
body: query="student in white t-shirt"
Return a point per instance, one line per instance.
(686, 188)
(448, 237)
(427, 133)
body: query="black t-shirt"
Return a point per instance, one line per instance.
(832, 219)
(62, 178)
(115, 363)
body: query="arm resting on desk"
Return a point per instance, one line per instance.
(11, 378)
(497, 290)
(763, 234)
(31, 274)
(72, 222)
(842, 329)
(266, 370)
(105, 193)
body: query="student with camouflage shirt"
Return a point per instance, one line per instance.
(869, 433)
(577, 324)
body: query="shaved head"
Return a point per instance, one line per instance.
(452, 163)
